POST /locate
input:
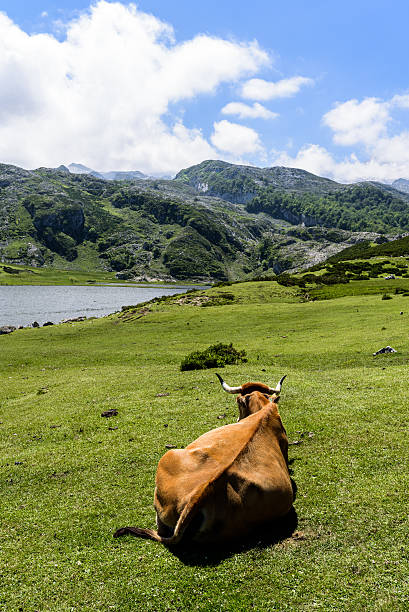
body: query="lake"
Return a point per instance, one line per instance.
(21, 305)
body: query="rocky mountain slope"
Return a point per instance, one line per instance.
(214, 221)
(300, 197)
(401, 185)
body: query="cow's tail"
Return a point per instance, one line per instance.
(149, 534)
(189, 512)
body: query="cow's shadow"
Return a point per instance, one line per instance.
(266, 535)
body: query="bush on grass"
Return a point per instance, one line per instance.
(215, 356)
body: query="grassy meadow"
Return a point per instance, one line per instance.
(11, 274)
(69, 477)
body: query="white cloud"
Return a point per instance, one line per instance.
(318, 160)
(393, 150)
(312, 158)
(102, 95)
(383, 157)
(358, 122)
(235, 139)
(258, 89)
(384, 165)
(245, 111)
(401, 101)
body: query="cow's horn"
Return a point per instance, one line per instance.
(226, 386)
(278, 387)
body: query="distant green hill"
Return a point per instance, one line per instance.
(300, 197)
(239, 183)
(214, 221)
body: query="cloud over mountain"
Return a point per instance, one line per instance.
(354, 122)
(104, 94)
(367, 125)
(235, 139)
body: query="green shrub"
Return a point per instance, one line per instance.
(333, 279)
(215, 356)
(286, 280)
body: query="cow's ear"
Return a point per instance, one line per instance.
(275, 399)
(241, 401)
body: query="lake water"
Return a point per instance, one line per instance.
(21, 305)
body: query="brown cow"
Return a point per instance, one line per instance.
(229, 481)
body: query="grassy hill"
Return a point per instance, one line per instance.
(214, 221)
(50, 217)
(70, 477)
(300, 197)
(220, 178)
(368, 250)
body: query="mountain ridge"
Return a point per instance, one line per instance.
(113, 175)
(213, 221)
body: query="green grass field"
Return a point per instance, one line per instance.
(69, 477)
(24, 275)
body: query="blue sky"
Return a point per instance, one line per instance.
(157, 86)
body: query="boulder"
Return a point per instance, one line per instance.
(7, 329)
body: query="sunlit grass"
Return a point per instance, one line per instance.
(70, 477)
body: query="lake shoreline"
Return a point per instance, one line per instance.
(15, 275)
(22, 305)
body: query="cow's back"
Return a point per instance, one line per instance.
(234, 476)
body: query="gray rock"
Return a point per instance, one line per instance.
(74, 320)
(7, 329)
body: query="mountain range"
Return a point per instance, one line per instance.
(213, 221)
(108, 176)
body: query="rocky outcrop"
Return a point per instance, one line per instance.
(241, 197)
(68, 220)
(298, 219)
